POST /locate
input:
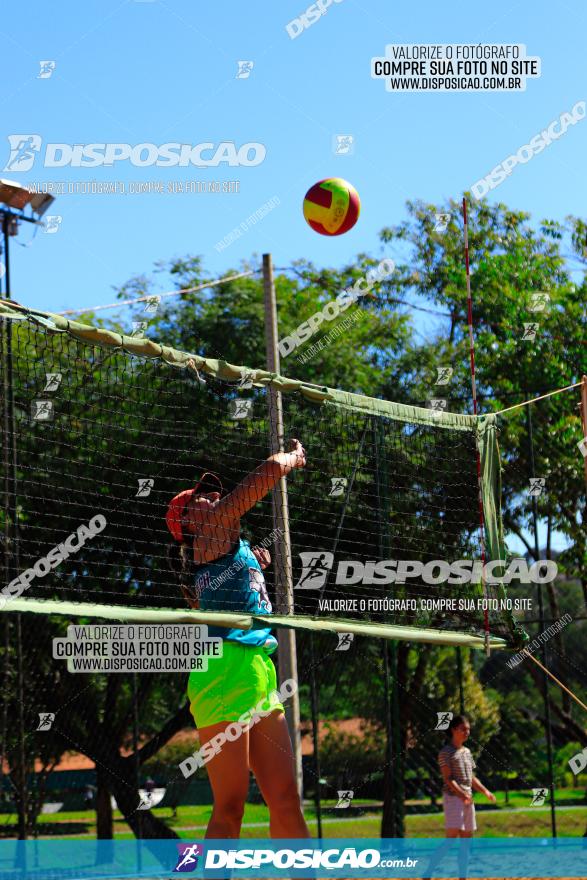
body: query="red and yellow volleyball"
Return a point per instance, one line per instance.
(332, 206)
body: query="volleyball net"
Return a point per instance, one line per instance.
(381, 535)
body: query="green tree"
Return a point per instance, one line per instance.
(383, 354)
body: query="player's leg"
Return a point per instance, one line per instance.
(453, 821)
(217, 696)
(464, 853)
(272, 762)
(437, 855)
(228, 772)
(468, 829)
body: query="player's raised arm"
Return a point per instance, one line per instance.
(260, 481)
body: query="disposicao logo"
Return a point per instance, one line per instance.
(24, 149)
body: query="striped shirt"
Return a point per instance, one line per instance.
(461, 765)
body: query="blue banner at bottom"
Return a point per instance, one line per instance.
(336, 858)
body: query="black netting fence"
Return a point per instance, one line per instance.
(98, 432)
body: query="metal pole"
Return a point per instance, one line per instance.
(460, 674)
(584, 417)
(135, 746)
(547, 718)
(6, 563)
(287, 656)
(137, 768)
(6, 233)
(11, 532)
(392, 822)
(475, 412)
(583, 411)
(389, 819)
(5, 698)
(315, 708)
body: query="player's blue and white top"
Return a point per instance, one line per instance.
(235, 582)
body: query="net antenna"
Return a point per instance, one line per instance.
(475, 413)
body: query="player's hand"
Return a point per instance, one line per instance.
(490, 796)
(262, 556)
(299, 452)
(468, 800)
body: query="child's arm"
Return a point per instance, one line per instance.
(454, 786)
(260, 481)
(478, 786)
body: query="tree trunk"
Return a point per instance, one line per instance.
(556, 614)
(573, 730)
(121, 782)
(117, 775)
(392, 819)
(104, 823)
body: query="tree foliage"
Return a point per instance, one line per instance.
(389, 352)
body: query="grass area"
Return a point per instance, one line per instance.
(199, 814)
(526, 823)
(507, 821)
(519, 798)
(524, 798)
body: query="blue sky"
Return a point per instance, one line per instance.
(165, 71)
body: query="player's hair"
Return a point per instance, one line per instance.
(455, 721)
(179, 557)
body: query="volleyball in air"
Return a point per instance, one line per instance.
(332, 206)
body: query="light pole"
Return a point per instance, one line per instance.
(14, 199)
(284, 597)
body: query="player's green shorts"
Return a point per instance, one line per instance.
(240, 682)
